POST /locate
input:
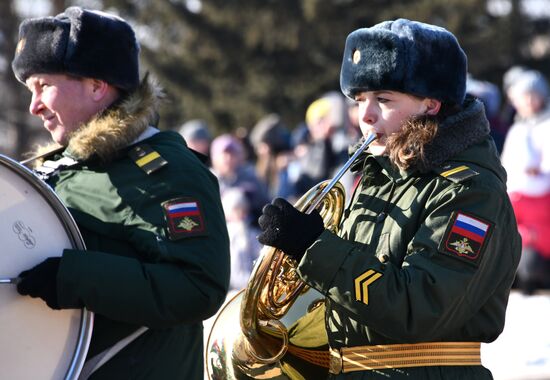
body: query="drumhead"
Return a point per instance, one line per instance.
(36, 342)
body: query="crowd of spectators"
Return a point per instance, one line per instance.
(273, 159)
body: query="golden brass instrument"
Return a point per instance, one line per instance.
(278, 338)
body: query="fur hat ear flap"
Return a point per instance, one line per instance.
(79, 42)
(405, 56)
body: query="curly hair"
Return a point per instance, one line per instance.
(406, 148)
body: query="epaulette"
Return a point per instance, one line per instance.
(148, 159)
(456, 173)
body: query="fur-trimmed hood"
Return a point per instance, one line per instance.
(116, 127)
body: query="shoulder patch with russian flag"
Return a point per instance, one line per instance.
(184, 218)
(466, 237)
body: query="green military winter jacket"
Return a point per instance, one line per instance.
(147, 263)
(406, 266)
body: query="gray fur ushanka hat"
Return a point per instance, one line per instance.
(79, 42)
(405, 56)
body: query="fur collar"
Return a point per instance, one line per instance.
(116, 127)
(454, 135)
(457, 133)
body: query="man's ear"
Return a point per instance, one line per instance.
(432, 106)
(98, 89)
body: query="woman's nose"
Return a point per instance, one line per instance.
(368, 113)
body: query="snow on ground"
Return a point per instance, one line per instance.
(522, 351)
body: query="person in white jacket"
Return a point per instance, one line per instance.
(526, 158)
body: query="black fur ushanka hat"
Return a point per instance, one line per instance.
(405, 56)
(79, 42)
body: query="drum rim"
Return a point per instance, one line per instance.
(70, 226)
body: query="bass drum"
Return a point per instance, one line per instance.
(36, 342)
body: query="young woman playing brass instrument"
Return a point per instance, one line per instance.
(420, 272)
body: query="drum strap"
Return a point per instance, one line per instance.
(103, 357)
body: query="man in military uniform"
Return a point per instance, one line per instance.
(421, 269)
(157, 258)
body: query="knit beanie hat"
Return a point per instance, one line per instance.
(272, 131)
(511, 75)
(319, 109)
(195, 129)
(529, 81)
(226, 143)
(405, 56)
(79, 42)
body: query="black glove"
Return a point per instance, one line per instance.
(41, 281)
(288, 229)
